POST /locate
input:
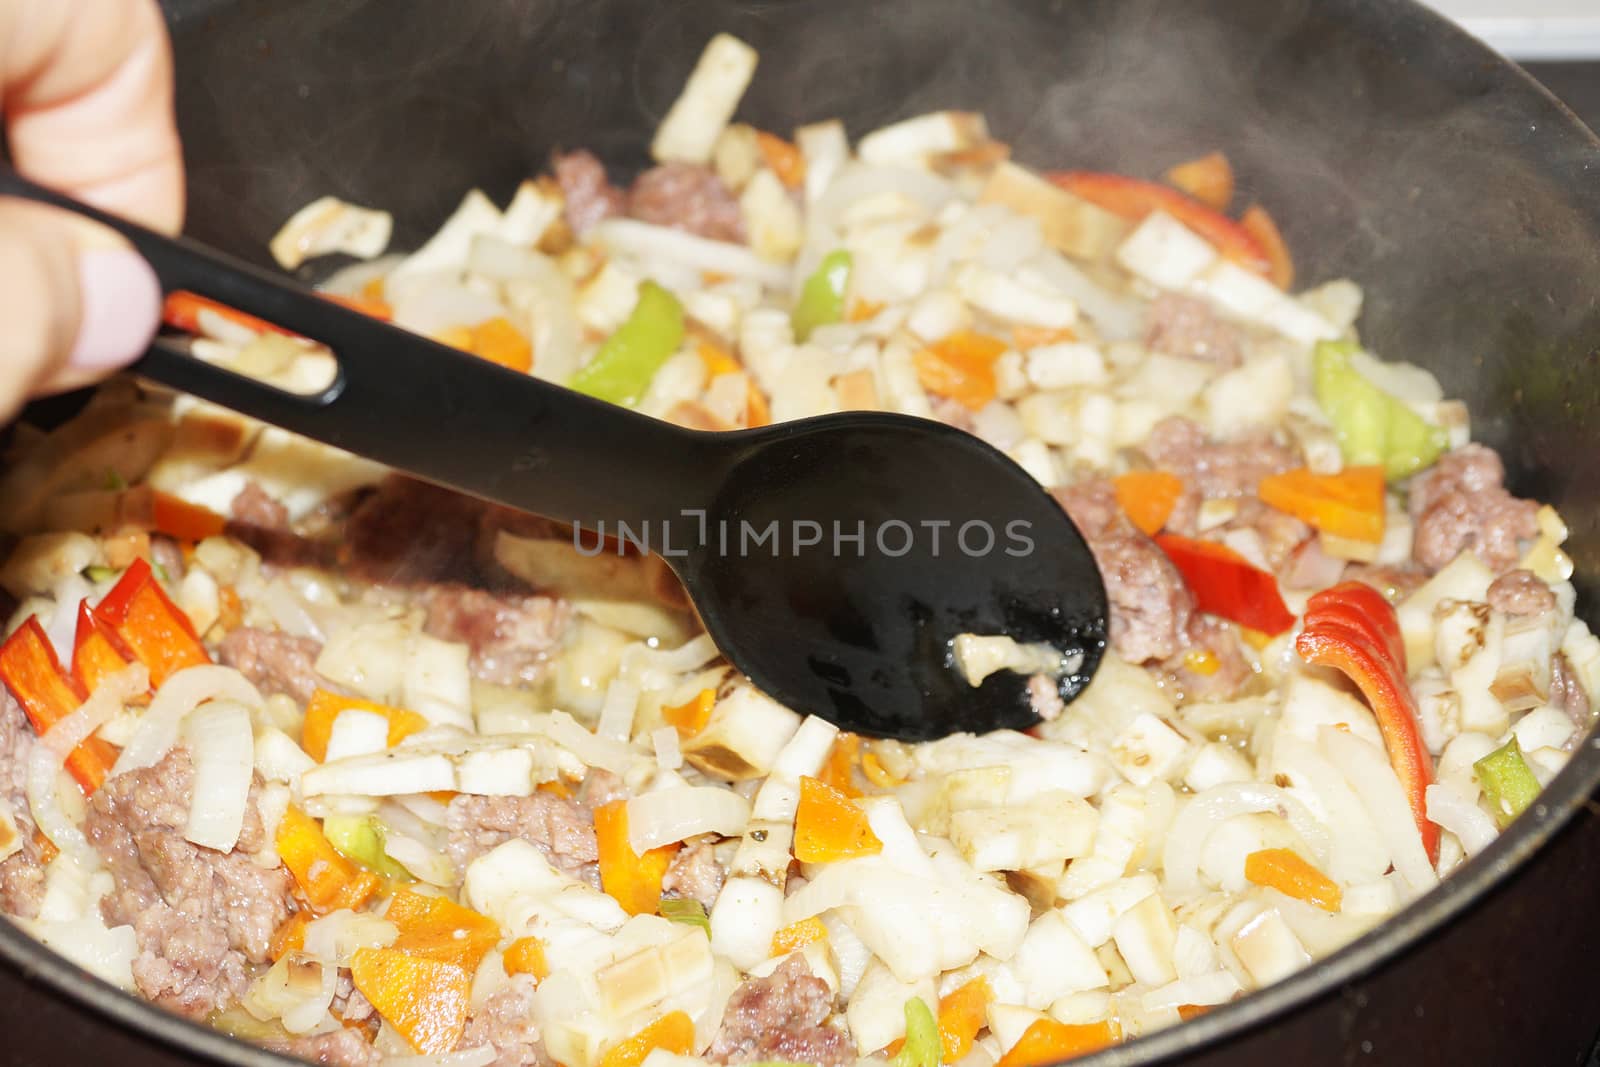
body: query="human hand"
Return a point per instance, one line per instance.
(86, 98)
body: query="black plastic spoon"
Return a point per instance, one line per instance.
(833, 560)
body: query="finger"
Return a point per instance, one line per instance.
(86, 89)
(76, 303)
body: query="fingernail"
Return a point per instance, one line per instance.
(121, 308)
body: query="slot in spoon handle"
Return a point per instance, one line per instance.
(420, 406)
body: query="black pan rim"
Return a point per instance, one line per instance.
(1467, 888)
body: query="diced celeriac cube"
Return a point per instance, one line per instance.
(1066, 364)
(1093, 914)
(1035, 457)
(1379, 897)
(1145, 935)
(1193, 953)
(1215, 763)
(1268, 948)
(1014, 299)
(737, 155)
(278, 757)
(1119, 838)
(746, 732)
(771, 218)
(1543, 728)
(437, 683)
(1463, 578)
(1053, 961)
(1069, 223)
(606, 300)
(1080, 1009)
(502, 772)
(1008, 1022)
(709, 98)
(937, 314)
(1149, 749)
(451, 243)
(876, 1012)
(913, 140)
(1248, 296)
(1014, 838)
(1254, 394)
(357, 732)
(1165, 252)
(1310, 703)
(825, 148)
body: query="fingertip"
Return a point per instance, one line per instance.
(119, 309)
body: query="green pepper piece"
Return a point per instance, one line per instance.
(1508, 785)
(688, 912)
(361, 838)
(621, 370)
(1373, 426)
(923, 1047)
(822, 296)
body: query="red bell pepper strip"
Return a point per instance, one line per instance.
(30, 669)
(1225, 584)
(148, 626)
(1351, 628)
(1134, 199)
(94, 651)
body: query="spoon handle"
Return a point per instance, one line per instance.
(422, 407)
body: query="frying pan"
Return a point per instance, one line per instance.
(1391, 147)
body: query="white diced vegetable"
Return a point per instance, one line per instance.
(1071, 363)
(1165, 252)
(1145, 935)
(1014, 299)
(709, 98)
(1268, 948)
(328, 225)
(1254, 394)
(357, 732)
(1148, 749)
(912, 141)
(1053, 961)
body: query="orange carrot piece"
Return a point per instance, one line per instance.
(425, 999)
(1192, 1011)
(632, 880)
(1208, 179)
(1048, 1041)
(862, 310)
(1024, 337)
(691, 717)
(673, 1032)
(290, 936)
(782, 158)
(798, 935)
(829, 826)
(556, 787)
(1148, 497)
(1280, 263)
(526, 955)
(1287, 871)
(756, 411)
(438, 928)
(497, 341)
(326, 879)
(839, 772)
(181, 310)
(368, 302)
(962, 1013)
(177, 518)
(716, 358)
(324, 707)
(961, 367)
(1347, 504)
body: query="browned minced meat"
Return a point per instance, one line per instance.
(558, 827)
(1567, 693)
(165, 553)
(1216, 469)
(1214, 676)
(599, 788)
(511, 635)
(687, 196)
(695, 874)
(350, 1005)
(1150, 605)
(590, 196)
(274, 661)
(344, 1047)
(1184, 326)
(254, 506)
(1520, 592)
(782, 1017)
(505, 1021)
(1461, 505)
(1395, 583)
(22, 872)
(202, 917)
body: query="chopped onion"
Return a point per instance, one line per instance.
(178, 696)
(1215, 987)
(1455, 809)
(1367, 770)
(543, 294)
(426, 862)
(602, 752)
(1187, 837)
(50, 755)
(223, 752)
(670, 815)
(653, 243)
(618, 710)
(1117, 318)
(669, 755)
(289, 613)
